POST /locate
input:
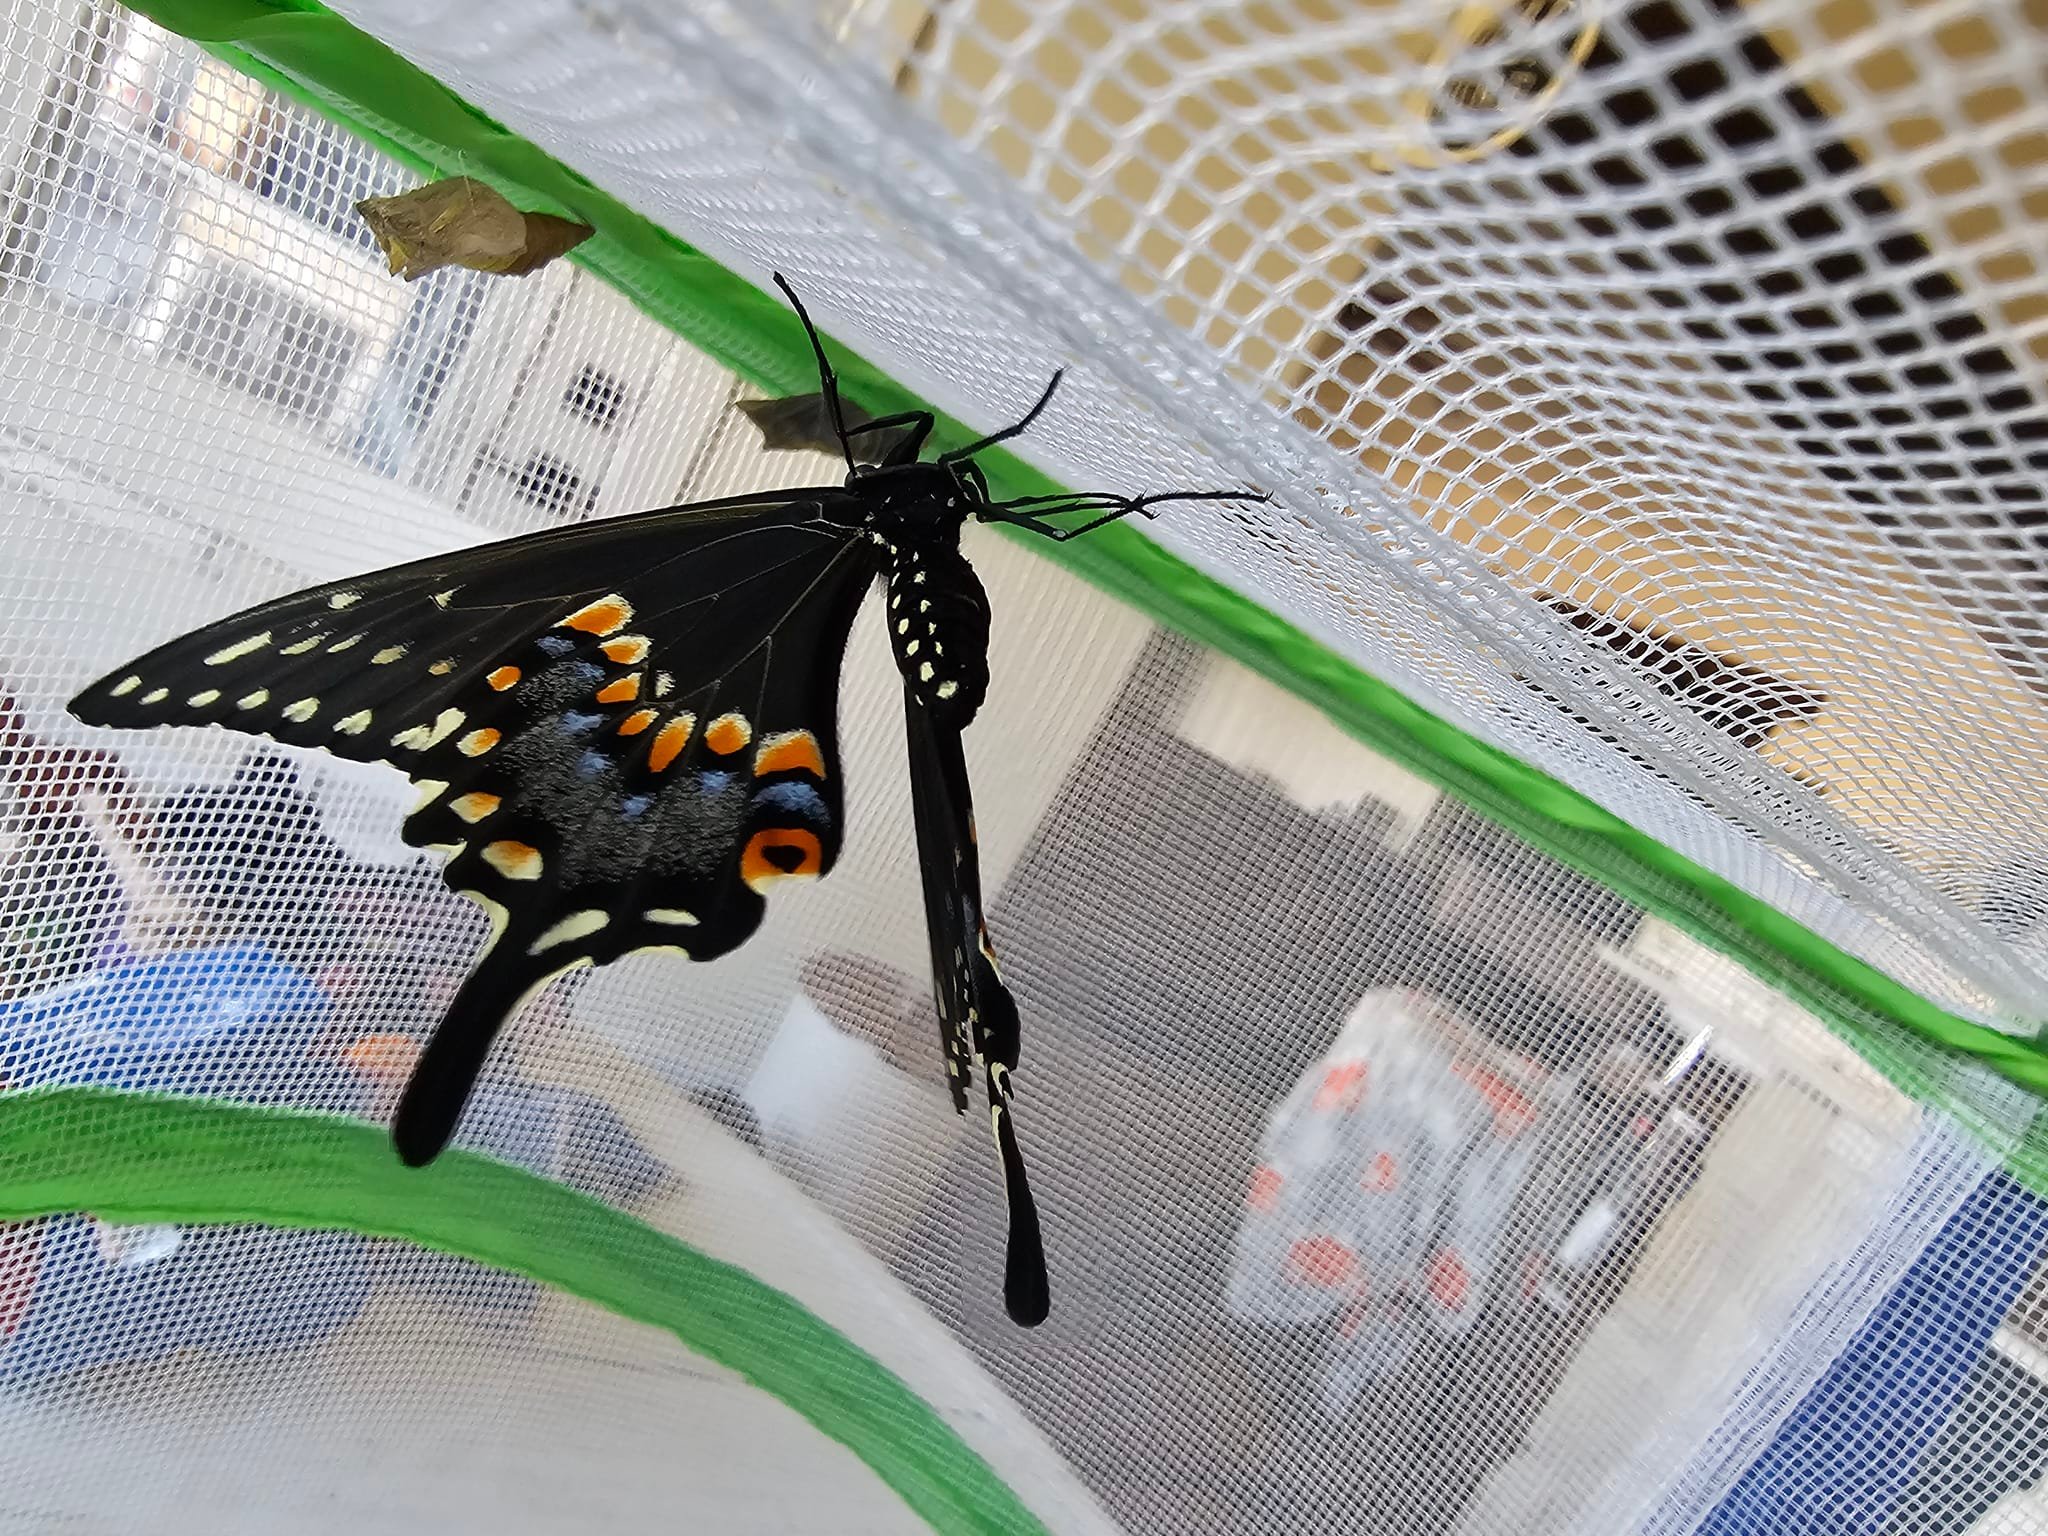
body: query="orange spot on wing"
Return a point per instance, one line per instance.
(669, 741)
(626, 650)
(728, 734)
(477, 743)
(624, 691)
(781, 853)
(503, 678)
(1264, 1191)
(638, 721)
(474, 806)
(789, 751)
(1321, 1261)
(602, 617)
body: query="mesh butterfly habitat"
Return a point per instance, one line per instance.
(1520, 917)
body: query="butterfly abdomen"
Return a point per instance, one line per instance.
(938, 619)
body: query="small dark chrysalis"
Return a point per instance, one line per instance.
(625, 732)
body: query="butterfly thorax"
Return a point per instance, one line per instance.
(937, 613)
(899, 499)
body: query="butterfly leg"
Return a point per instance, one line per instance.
(905, 452)
(828, 380)
(1033, 511)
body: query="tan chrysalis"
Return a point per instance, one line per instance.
(461, 222)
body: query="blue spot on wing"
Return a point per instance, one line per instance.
(796, 798)
(555, 645)
(633, 807)
(575, 723)
(592, 765)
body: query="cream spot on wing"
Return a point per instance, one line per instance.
(442, 668)
(301, 710)
(911, 649)
(239, 648)
(355, 724)
(924, 605)
(342, 645)
(303, 646)
(442, 599)
(663, 683)
(903, 626)
(947, 689)
(126, 686)
(577, 925)
(203, 698)
(673, 917)
(254, 700)
(422, 737)
(430, 790)
(342, 600)
(445, 724)
(474, 806)
(388, 655)
(515, 861)
(924, 673)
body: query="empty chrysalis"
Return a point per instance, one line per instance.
(461, 222)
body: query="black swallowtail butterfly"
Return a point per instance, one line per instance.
(624, 731)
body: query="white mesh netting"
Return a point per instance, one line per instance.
(1600, 331)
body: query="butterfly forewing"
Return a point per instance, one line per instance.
(977, 1016)
(623, 732)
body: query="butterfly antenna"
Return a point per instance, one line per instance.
(1011, 431)
(826, 377)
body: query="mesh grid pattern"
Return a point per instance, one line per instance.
(1675, 1204)
(975, 305)
(1712, 320)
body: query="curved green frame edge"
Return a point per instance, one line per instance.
(131, 1157)
(314, 56)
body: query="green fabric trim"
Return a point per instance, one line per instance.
(300, 48)
(137, 1157)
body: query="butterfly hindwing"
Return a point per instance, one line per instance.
(623, 732)
(977, 1016)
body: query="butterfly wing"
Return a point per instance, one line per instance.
(624, 732)
(977, 1016)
